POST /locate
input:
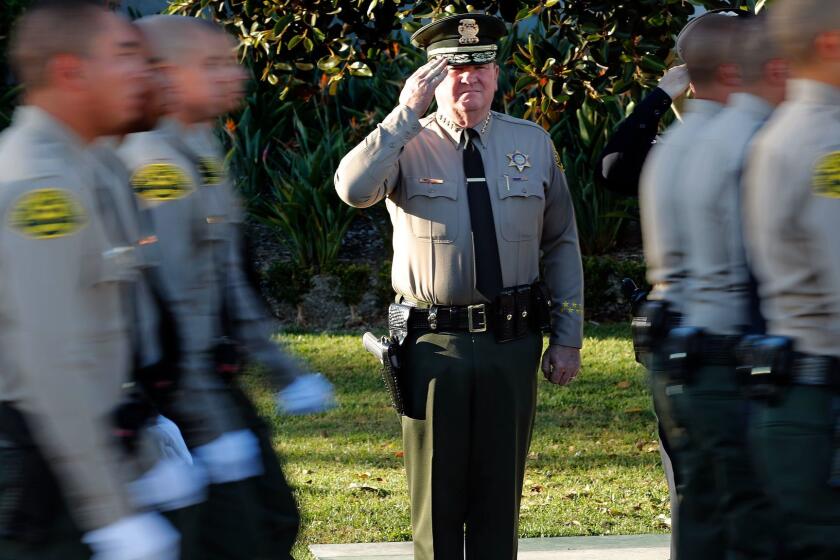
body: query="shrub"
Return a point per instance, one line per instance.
(289, 283)
(602, 285)
(353, 283)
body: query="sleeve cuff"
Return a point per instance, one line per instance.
(402, 123)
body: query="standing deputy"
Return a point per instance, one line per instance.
(74, 476)
(705, 45)
(720, 301)
(476, 198)
(792, 207)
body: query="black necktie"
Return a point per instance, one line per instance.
(488, 269)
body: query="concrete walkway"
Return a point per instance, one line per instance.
(630, 547)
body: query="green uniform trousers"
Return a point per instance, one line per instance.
(700, 534)
(792, 441)
(470, 412)
(715, 412)
(252, 519)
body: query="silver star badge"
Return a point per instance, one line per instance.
(518, 160)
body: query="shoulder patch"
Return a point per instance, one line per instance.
(46, 214)
(161, 181)
(826, 181)
(557, 158)
(212, 171)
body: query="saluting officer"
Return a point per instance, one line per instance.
(792, 208)
(706, 46)
(73, 484)
(475, 198)
(721, 300)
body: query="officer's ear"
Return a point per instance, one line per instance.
(66, 71)
(729, 75)
(827, 45)
(776, 72)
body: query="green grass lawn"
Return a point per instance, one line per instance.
(593, 470)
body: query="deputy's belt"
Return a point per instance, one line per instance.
(471, 318)
(514, 313)
(819, 371)
(718, 350)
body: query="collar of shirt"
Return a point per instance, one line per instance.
(751, 104)
(35, 118)
(702, 106)
(812, 91)
(455, 132)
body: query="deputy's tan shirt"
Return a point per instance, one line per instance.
(793, 217)
(417, 166)
(178, 175)
(64, 347)
(252, 325)
(661, 187)
(719, 299)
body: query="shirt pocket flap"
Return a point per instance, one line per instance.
(527, 187)
(431, 188)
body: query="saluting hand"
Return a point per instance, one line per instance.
(561, 364)
(419, 89)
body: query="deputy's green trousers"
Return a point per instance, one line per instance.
(470, 404)
(715, 412)
(792, 441)
(700, 535)
(256, 518)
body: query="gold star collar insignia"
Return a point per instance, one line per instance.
(518, 160)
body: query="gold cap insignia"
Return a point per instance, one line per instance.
(518, 160)
(468, 29)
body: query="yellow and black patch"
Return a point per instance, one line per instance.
(161, 181)
(47, 214)
(557, 159)
(827, 176)
(212, 171)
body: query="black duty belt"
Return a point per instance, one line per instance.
(819, 371)
(718, 350)
(471, 318)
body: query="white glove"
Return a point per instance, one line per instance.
(171, 484)
(166, 435)
(145, 536)
(231, 457)
(675, 82)
(308, 394)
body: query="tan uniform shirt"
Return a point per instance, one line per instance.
(252, 325)
(661, 187)
(64, 347)
(417, 166)
(178, 176)
(719, 299)
(793, 218)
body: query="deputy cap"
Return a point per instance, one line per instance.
(463, 39)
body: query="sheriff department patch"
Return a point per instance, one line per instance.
(827, 176)
(212, 172)
(47, 214)
(161, 181)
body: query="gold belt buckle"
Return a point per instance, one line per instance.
(480, 309)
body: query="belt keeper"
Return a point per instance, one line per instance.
(433, 317)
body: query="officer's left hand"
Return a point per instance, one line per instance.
(561, 364)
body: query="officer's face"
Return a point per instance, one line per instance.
(116, 74)
(469, 88)
(200, 81)
(236, 77)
